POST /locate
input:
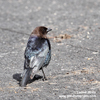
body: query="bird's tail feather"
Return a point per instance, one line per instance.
(26, 77)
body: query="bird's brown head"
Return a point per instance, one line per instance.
(41, 31)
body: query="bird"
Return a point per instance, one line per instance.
(38, 51)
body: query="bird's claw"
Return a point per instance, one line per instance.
(44, 78)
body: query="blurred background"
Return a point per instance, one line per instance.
(24, 15)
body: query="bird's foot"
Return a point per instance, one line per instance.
(44, 78)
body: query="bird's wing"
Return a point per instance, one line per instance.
(31, 49)
(48, 58)
(36, 55)
(38, 60)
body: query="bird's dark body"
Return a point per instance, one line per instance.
(37, 54)
(35, 46)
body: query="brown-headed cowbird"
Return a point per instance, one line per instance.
(38, 51)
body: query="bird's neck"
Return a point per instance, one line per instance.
(36, 36)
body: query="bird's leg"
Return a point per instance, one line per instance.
(44, 77)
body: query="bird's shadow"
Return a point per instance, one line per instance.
(17, 77)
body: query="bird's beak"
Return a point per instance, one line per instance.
(49, 29)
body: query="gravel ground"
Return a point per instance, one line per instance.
(74, 71)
